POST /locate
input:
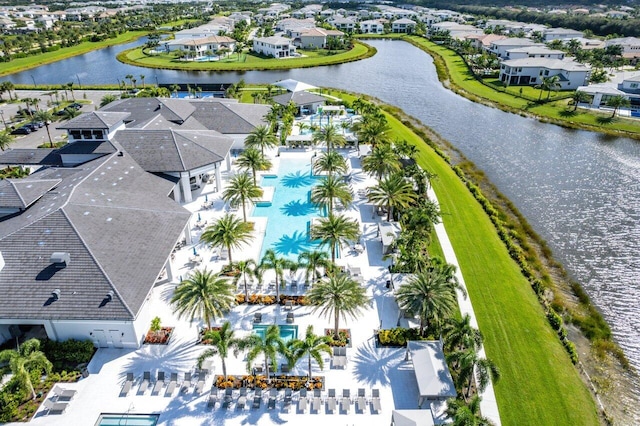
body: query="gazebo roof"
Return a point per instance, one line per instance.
(294, 85)
(432, 373)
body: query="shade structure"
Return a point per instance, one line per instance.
(293, 85)
(432, 373)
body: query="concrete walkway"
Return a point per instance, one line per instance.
(488, 405)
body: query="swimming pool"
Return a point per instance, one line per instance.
(287, 332)
(127, 419)
(290, 212)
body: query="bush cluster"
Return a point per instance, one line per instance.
(398, 336)
(67, 355)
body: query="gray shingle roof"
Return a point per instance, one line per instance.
(29, 156)
(229, 117)
(88, 147)
(94, 120)
(21, 193)
(299, 98)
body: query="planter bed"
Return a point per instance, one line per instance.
(279, 381)
(345, 333)
(159, 338)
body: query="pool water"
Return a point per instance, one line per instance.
(127, 419)
(287, 332)
(290, 212)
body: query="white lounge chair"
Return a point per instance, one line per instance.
(302, 401)
(55, 407)
(286, 404)
(228, 398)
(331, 401)
(317, 400)
(63, 394)
(375, 399)
(213, 397)
(361, 401)
(345, 401)
(186, 384)
(273, 394)
(146, 380)
(128, 383)
(257, 399)
(173, 383)
(242, 399)
(159, 383)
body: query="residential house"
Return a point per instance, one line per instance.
(372, 26)
(483, 41)
(316, 38)
(534, 52)
(343, 24)
(630, 47)
(403, 25)
(454, 29)
(275, 46)
(306, 102)
(500, 47)
(563, 34)
(201, 47)
(531, 71)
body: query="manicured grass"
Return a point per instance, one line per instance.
(21, 64)
(463, 81)
(247, 61)
(539, 385)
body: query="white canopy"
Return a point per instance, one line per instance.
(293, 85)
(432, 373)
(411, 418)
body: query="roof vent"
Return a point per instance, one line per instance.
(109, 295)
(60, 259)
(120, 154)
(55, 294)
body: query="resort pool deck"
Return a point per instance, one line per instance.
(290, 212)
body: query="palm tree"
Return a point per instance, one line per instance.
(330, 135)
(203, 294)
(24, 361)
(174, 89)
(46, 117)
(311, 346)
(460, 334)
(312, 261)
(142, 76)
(107, 99)
(373, 130)
(330, 162)
(329, 189)
(5, 140)
(338, 297)
(221, 341)
(246, 268)
(241, 189)
(130, 78)
(617, 102)
(262, 138)
(392, 192)
(468, 414)
(578, 96)
(271, 260)
(70, 86)
(269, 346)
(70, 113)
(472, 366)
(227, 232)
(382, 161)
(549, 84)
(335, 231)
(254, 160)
(431, 295)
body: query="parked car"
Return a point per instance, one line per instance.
(26, 112)
(31, 127)
(21, 131)
(75, 105)
(38, 124)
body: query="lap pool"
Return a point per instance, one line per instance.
(127, 419)
(287, 332)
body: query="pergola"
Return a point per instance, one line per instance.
(431, 370)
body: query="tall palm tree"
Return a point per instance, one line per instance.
(431, 295)
(311, 346)
(578, 97)
(241, 189)
(338, 297)
(254, 160)
(175, 88)
(392, 192)
(246, 269)
(271, 260)
(221, 342)
(459, 334)
(373, 130)
(468, 414)
(312, 261)
(381, 162)
(472, 366)
(329, 190)
(330, 162)
(107, 99)
(5, 140)
(330, 135)
(203, 294)
(261, 137)
(269, 347)
(335, 231)
(617, 102)
(70, 113)
(549, 83)
(46, 117)
(24, 361)
(227, 232)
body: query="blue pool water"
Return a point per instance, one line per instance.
(290, 212)
(127, 419)
(287, 332)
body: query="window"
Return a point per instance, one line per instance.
(546, 72)
(634, 85)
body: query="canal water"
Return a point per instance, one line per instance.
(579, 190)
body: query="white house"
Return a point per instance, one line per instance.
(199, 47)
(531, 71)
(500, 47)
(343, 24)
(275, 46)
(403, 25)
(454, 29)
(210, 29)
(372, 26)
(561, 34)
(534, 52)
(316, 38)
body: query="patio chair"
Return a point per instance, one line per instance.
(317, 400)
(290, 318)
(127, 385)
(173, 383)
(228, 397)
(288, 305)
(273, 394)
(213, 397)
(303, 400)
(345, 401)
(146, 380)
(288, 396)
(159, 383)
(242, 399)
(62, 394)
(361, 401)
(331, 401)
(257, 318)
(257, 399)
(55, 407)
(294, 283)
(200, 384)
(186, 384)
(375, 399)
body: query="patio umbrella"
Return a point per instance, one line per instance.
(195, 253)
(206, 198)
(199, 219)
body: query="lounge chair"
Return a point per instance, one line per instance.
(213, 397)
(159, 383)
(257, 399)
(302, 401)
(375, 399)
(273, 394)
(200, 384)
(288, 396)
(361, 401)
(242, 399)
(63, 394)
(146, 380)
(290, 318)
(339, 356)
(228, 397)
(257, 318)
(331, 401)
(317, 400)
(128, 383)
(345, 401)
(173, 383)
(206, 367)
(55, 407)
(288, 305)
(186, 384)
(284, 368)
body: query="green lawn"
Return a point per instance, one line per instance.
(247, 61)
(539, 385)
(22, 64)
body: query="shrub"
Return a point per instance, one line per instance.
(397, 336)
(554, 319)
(68, 354)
